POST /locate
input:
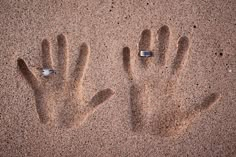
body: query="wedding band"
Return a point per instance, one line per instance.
(145, 54)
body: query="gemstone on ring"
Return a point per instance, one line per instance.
(145, 54)
(47, 72)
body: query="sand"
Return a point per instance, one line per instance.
(102, 98)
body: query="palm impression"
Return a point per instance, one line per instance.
(59, 96)
(164, 116)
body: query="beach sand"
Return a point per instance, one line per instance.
(102, 98)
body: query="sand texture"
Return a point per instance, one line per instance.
(103, 99)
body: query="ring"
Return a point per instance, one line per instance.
(145, 54)
(47, 72)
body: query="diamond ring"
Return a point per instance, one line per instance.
(47, 72)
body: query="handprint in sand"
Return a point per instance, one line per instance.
(156, 106)
(59, 96)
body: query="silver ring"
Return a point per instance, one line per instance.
(47, 72)
(145, 54)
